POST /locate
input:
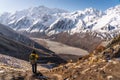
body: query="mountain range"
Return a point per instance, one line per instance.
(51, 21)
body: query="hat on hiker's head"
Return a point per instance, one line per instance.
(33, 51)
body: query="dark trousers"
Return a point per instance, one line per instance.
(34, 68)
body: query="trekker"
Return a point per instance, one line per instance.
(33, 60)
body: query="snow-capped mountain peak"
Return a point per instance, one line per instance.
(110, 21)
(113, 10)
(51, 21)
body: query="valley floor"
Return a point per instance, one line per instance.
(60, 48)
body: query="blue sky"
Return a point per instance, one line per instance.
(70, 5)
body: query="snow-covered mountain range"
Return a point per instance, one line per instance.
(53, 21)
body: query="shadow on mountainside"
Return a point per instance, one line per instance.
(18, 50)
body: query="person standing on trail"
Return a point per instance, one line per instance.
(33, 60)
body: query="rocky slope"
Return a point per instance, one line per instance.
(102, 64)
(12, 68)
(96, 66)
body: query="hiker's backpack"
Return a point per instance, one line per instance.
(32, 58)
